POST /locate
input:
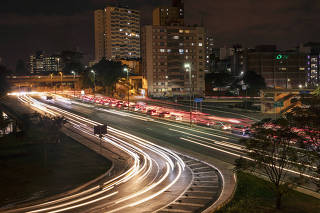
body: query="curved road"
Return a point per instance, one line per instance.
(157, 179)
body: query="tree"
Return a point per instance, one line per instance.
(108, 73)
(254, 82)
(86, 79)
(21, 68)
(4, 85)
(272, 154)
(306, 122)
(219, 80)
(72, 61)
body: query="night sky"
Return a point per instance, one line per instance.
(30, 25)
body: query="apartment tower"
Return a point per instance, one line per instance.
(117, 33)
(167, 46)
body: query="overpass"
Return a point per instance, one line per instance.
(44, 83)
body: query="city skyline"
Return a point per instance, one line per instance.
(63, 26)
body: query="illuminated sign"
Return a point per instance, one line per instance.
(282, 57)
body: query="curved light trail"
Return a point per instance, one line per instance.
(153, 167)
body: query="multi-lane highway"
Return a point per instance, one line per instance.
(220, 144)
(156, 178)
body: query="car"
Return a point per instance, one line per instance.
(114, 103)
(152, 112)
(210, 123)
(241, 130)
(164, 115)
(176, 117)
(222, 126)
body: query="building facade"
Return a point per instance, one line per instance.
(312, 51)
(117, 33)
(99, 34)
(166, 50)
(167, 16)
(209, 53)
(280, 69)
(40, 63)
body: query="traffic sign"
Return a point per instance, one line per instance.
(304, 92)
(198, 100)
(100, 130)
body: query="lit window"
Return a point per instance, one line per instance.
(180, 31)
(162, 50)
(181, 51)
(200, 44)
(187, 31)
(175, 37)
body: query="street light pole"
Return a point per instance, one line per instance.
(60, 79)
(74, 85)
(51, 76)
(187, 66)
(94, 83)
(167, 85)
(127, 70)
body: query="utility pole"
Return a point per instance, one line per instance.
(127, 71)
(94, 83)
(74, 83)
(187, 66)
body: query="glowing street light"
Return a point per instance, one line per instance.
(187, 67)
(94, 82)
(167, 84)
(58, 59)
(61, 74)
(74, 83)
(127, 71)
(51, 77)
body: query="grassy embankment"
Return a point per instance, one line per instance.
(254, 195)
(32, 167)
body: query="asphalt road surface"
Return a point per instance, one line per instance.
(156, 179)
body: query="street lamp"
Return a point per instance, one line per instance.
(74, 83)
(51, 77)
(58, 59)
(127, 71)
(187, 66)
(94, 83)
(167, 85)
(61, 79)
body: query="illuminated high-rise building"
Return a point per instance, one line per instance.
(166, 16)
(117, 33)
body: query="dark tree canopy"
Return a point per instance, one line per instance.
(4, 85)
(21, 68)
(108, 72)
(218, 79)
(72, 61)
(254, 81)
